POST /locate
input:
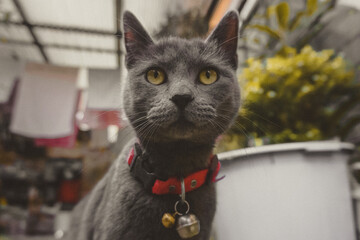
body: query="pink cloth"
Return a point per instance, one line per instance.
(98, 119)
(104, 99)
(64, 142)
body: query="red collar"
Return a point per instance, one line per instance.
(171, 185)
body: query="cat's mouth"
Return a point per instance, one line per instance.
(183, 128)
(183, 123)
(187, 123)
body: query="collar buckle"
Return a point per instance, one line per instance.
(138, 170)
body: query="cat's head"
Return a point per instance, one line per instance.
(181, 89)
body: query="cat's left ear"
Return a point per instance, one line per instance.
(136, 38)
(226, 36)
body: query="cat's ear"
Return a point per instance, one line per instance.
(136, 38)
(226, 36)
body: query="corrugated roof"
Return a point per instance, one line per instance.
(82, 32)
(87, 14)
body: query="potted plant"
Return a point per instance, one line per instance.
(298, 101)
(296, 96)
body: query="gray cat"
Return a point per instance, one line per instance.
(180, 96)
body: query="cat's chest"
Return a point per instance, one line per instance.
(137, 214)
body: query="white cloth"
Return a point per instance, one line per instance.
(10, 70)
(104, 89)
(45, 102)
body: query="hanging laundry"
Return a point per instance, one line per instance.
(103, 108)
(46, 102)
(10, 70)
(62, 142)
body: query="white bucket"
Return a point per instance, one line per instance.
(293, 191)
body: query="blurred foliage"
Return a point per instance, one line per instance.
(294, 96)
(188, 25)
(284, 25)
(4, 15)
(280, 22)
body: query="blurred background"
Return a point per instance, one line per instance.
(61, 75)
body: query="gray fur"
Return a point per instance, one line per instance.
(119, 207)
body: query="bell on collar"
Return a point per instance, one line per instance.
(188, 226)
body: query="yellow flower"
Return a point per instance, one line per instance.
(287, 95)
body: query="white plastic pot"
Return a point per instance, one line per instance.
(293, 191)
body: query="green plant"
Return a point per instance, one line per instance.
(190, 24)
(281, 12)
(295, 96)
(279, 24)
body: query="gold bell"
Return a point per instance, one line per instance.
(168, 220)
(188, 226)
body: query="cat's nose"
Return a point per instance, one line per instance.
(181, 100)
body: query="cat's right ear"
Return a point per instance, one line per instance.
(225, 35)
(136, 38)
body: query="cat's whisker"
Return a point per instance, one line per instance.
(267, 120)
(218, 125)
(141, 127)
(155, 128)
(152, 132)
(139, 120)
(236, 124)
(211, 122)
(126, 132)
(264, 130)
(146, 133)
(242, 130)
(145, 130)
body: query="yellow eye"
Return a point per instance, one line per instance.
(155, 76)
(208, 76)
